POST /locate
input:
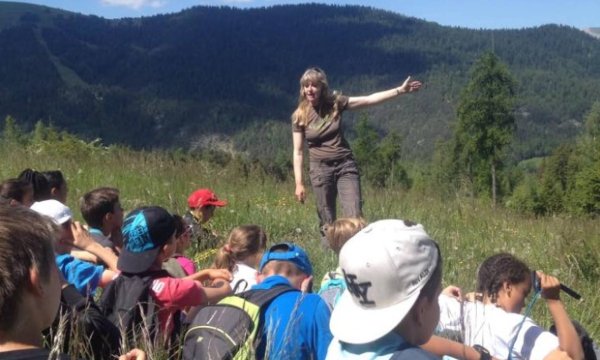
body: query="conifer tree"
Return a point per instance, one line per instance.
(485, 123)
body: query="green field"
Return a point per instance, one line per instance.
(467, 230)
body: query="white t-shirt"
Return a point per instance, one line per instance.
(494, 329)
(245, 274)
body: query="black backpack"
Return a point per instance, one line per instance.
(231, 328)
(128, 304)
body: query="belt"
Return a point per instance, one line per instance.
(336, 161)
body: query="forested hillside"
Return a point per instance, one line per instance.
(221, 76)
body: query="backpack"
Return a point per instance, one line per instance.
(229, 329)
(332, 289)
(128, 304)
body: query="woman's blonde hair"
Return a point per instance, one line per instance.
(342, 230)
(328, 101)
(243, 242)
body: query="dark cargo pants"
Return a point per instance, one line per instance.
(330, 179)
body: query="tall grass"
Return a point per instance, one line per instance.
(467, 230)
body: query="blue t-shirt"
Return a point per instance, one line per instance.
(296, 325)
(83, 275)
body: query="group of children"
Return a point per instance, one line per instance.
(384, 301)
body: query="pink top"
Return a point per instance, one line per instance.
(173, 294)
(188, 266)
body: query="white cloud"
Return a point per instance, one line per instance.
(135, 4)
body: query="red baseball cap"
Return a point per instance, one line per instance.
(204, 197)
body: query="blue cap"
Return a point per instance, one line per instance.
(145, 231)
(287, 252)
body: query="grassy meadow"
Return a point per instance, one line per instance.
(467, 230)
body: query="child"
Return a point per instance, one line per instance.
(337, 234)
(393, 271)
(17, 191)
(296, 323)
(31, 286)
(341, 231)
(494, 320)
(57, 184)
(85, 276)
(102, 211)
(30, 283)
(149, 240)
(178, 265)
(202, 204)
(241, 255)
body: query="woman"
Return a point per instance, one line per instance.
(318, 119)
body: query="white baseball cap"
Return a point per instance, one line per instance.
(54, 209)
(385, 267)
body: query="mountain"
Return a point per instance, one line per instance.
(595, 32)
(219, 76)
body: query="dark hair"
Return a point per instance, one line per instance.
(243, 241)
(25, 243)
(41, 187)
(499, 269)
(15, 189)
(180, 225)
(97, 203)
(55, 178)
(431, 287)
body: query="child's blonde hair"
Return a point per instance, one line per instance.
(243, 242)
(342, 230)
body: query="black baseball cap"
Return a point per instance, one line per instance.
(145, 231)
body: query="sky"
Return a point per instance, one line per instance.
(475, 14)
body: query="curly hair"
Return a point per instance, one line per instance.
(499, 269)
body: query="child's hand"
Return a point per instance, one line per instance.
(81, 237)
(473, 296)
(219, 274)
(453, 292)
(135, 354)
(550, 286)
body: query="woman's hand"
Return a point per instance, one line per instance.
(409, 86)
(300, 194)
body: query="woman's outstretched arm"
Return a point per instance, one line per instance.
(408, 86)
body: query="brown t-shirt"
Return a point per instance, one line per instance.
(324, 134)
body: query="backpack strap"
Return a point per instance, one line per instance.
(262, 297)
(239, 284)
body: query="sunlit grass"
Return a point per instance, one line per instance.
(467, 230)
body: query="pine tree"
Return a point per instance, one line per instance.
(486, 123)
